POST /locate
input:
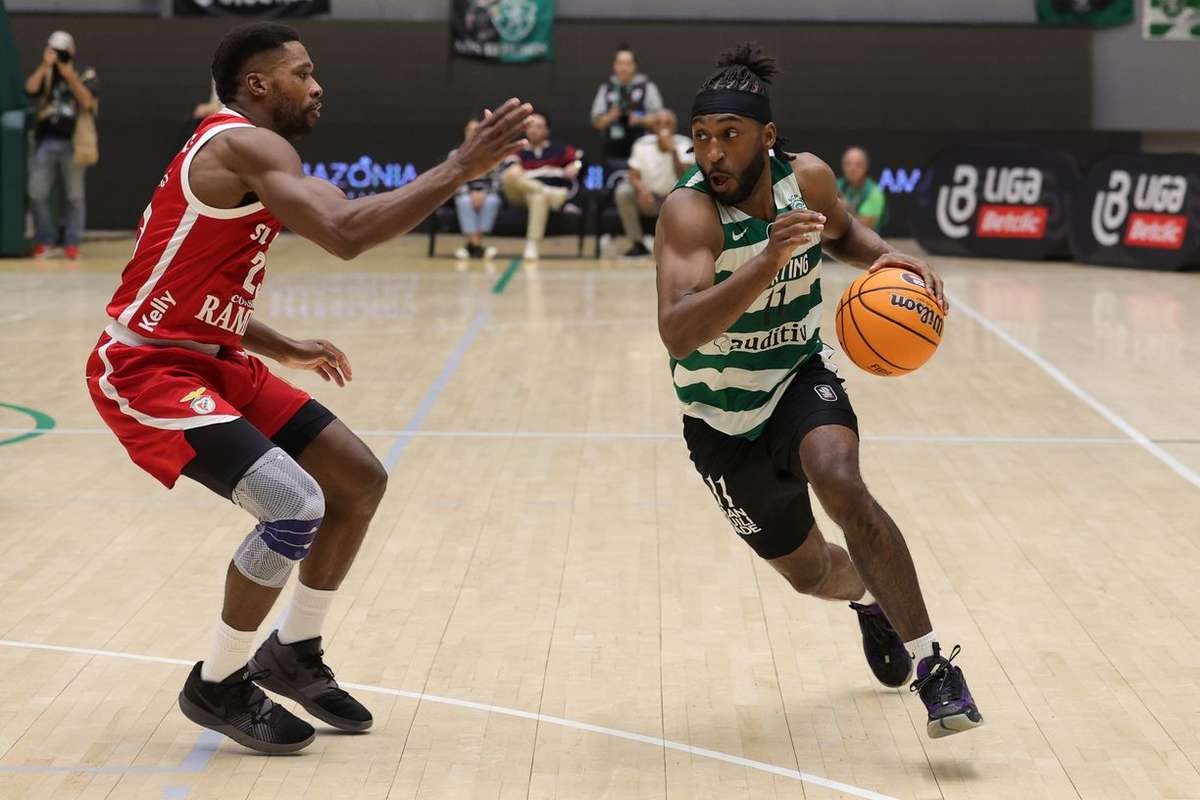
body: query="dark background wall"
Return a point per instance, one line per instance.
(393, 92)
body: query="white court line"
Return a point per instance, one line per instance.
(760, 766)
(1090, 400)
(615, 435)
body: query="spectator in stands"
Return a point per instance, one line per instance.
(64, 96)
(863, 197)
(626, 105)
(540, 178)
(477, 203)
(657, 162)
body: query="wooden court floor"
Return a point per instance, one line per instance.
(550, 605)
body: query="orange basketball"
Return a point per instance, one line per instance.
(888, 323)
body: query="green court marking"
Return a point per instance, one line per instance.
(41, 423)
(507, 276)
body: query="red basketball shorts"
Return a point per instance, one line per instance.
(151, 395)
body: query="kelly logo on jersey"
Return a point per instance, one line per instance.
(158, 308)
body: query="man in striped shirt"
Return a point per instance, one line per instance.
(540, 177)
(739, 248)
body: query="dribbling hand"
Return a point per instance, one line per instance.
(498, 136)
(933, 281)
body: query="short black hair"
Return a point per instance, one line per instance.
(624, 47)
(239, 46)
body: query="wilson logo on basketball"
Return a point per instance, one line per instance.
(1155, 220)
(1003, 187)
(926, 313)
(1012, 222)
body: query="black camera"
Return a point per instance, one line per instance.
(64, 56)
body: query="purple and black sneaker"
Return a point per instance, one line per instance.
(945, 694)
(883, 647)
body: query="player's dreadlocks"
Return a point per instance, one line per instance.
(745, 68)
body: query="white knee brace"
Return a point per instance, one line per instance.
(289, 506)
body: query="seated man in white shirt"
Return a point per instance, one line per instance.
(657, 162)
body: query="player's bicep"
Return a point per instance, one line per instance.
(296, 199)
(683, 249)
(272, 170)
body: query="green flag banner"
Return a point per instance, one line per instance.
(504, 31)
(1092, 13)
(1171, 19)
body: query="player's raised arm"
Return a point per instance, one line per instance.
(692, 309)
(270, 168)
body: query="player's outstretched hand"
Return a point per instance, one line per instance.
(790, 231)
(500, 134)
(322, 358)
(933, 281)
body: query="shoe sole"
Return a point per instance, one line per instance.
(907, 679)
(214, 723)
(341, 723)
(948, 726)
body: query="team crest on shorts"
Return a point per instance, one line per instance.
(201, 402)
(908, 277)
(825, 392)
(204, 405)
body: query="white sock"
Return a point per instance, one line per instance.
(230, 652)
(868, 599)
(921, 648)
(305, 614)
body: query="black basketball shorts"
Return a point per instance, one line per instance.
(760, 484)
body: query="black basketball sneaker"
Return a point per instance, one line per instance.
(885, 651)
(237, 708)
(298, 671)
(944, 692)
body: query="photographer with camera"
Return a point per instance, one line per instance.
(626, 107)
(64, 94)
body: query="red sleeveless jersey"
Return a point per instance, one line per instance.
(195, 269)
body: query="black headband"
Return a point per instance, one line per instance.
(732, 101)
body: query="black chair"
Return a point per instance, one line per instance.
(512, 221)
(606, 217)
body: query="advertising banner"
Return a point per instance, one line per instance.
(502, 31)
(250, 8)
(1171, 19)
(1138, 211)
(1092, 13)
(995, 202)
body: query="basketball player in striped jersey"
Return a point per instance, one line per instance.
(173, 377)
(739, 250)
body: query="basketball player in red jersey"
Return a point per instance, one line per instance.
(172, 378)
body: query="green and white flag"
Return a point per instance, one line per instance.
(1091, 13)
(1171, 19)
(505, 31)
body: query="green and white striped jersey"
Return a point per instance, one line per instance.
(734, 382)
